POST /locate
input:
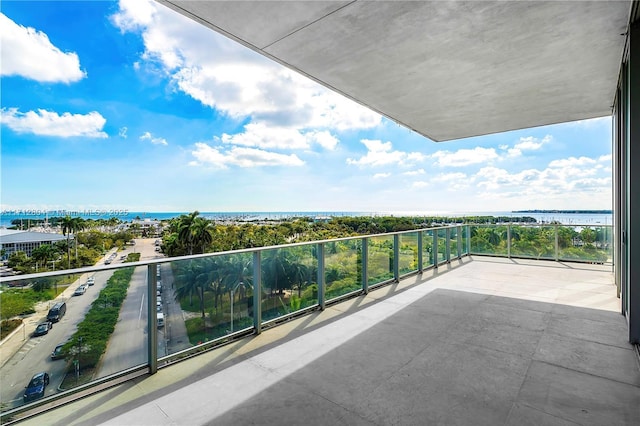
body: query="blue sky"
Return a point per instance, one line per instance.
(128, 105)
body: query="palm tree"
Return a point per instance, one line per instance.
(79, 224)
(201, 233)
(185, 231)
(195, 277)
(67, 225)
(276, 266)
(43, 253)
(236, 269)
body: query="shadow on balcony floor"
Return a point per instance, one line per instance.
(484, 341)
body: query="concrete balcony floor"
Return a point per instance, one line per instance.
(483, 341)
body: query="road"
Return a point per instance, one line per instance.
(34, 355)
(127, 346)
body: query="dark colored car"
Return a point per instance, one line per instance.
(57, 352)
(43, 328)
(36, 387)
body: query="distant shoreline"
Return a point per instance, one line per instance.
(565, 211)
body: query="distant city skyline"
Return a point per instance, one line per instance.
(130, 106)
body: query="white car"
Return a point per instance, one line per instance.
(80, 290)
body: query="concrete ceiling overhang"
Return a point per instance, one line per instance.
(446, 69)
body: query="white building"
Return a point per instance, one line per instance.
(12, 241)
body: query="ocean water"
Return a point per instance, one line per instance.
(126, 216)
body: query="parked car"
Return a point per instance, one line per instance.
(57, 352)
(91, 281)
(80, 290)
(43, 328)
(57, 312)
(107, 262)
(36, 387)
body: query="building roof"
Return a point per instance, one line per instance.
(10, 236)
(446, 69)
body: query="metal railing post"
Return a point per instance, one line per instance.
(469, 240)
(447, 244)
(321, 275)
(435, 248)
(396, 257)
(557, 251)
(509, 240)
(257, 292)
(365, 261)
(152, 319)
(420, 261)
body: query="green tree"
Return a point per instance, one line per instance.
(43, 253)
(185, 230)
(78, 225)
(67, 224)
(201, 233)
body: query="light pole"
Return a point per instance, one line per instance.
(233, 299)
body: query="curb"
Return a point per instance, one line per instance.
(10, 335)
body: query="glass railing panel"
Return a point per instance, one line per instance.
(74, 329)
(604, 241)
(408, 250)
(288, 279)
(380, 259)
(536, 242)
(442, 245)
(584, 243)
(195, 298)
(489, 239)
(453, 242)
(427, 248)
(343, 268)
(464, 231)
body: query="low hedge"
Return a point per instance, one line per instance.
(96, 328)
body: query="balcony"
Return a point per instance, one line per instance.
(476, 340)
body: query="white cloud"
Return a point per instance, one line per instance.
(577, 178)
(414, 172)
(324, 139)
(261, 136)
(448, 177)
(572, 161)
(381, 175)
(529, 143)
(122, 132)
(217, 157)
(48, 123)
(452, 181)
(146, 136)
(605, 158)
(420, 184)
(28, 53)
(464, 157)
(233, 79)
(381, 154)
